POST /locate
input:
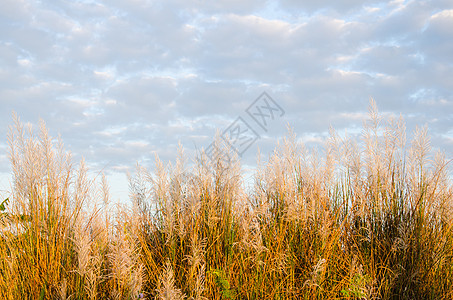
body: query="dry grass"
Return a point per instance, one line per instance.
(361, 219)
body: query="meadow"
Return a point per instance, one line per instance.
(367, 218)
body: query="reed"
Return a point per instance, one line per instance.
(366, 218)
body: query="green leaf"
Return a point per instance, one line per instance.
(43, 293)
(24, 218)
(3, 204)
(223, 284)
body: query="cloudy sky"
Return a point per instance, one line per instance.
(122, 80)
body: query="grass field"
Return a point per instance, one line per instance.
(359, 219)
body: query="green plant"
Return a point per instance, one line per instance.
(357, 287)
(223, 284)
(4, 204)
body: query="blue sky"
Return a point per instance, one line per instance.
(121, 81)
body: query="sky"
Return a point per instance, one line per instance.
(123, 80)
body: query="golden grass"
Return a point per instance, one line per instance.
(361, 219)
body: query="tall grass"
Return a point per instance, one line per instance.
(55, 242)
(359, 219)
